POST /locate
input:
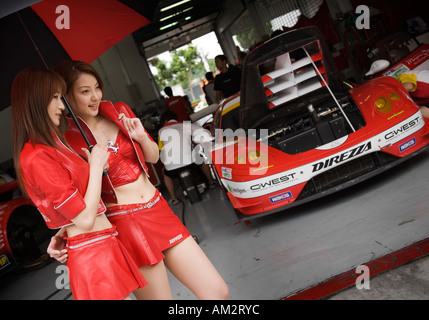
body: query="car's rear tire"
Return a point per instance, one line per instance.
(28, 235)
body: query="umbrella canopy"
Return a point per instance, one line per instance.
(88, 28)
(82, 30)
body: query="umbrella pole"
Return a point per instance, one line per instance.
(67, 105)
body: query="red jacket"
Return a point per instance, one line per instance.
(56, 182)
(76, 141)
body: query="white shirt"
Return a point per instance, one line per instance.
(177, 138)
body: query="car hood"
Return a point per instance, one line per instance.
(280, 76)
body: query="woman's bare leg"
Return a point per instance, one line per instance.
(189, 264)
(158, 287)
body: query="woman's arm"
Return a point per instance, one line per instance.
(97, 160)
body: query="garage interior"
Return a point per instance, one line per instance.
(307, 252)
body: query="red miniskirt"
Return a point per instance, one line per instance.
(147, 229)
(100, 268)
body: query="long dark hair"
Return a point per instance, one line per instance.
(32, 91)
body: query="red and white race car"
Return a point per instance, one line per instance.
(23, 233)
(296, 132)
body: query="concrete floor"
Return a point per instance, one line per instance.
(273, 257)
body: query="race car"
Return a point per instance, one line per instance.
(297, 132)
(23, 233)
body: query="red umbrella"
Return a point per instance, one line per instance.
(84, 28)
(87, 28)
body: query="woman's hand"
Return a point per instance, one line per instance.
(134, 127)
(98, 156)
(139, 134)
(56, 249)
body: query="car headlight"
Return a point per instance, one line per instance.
(240, 159)
(384, 105)
(253, 155)
(394, 96)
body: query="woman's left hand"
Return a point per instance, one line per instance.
(139, 134)
(134, 127)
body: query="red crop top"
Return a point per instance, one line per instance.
(76, 141)
(124, 166)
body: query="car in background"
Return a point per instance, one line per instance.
(297, 132)
(24, 235)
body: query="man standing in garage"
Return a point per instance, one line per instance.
(228, 81)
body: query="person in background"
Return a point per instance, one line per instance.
(209, 90)
(174, 162)
(66, 189)
(148, 228)
(177, 104)
(228, 81)
(188, 105)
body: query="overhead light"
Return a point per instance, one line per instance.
(176, 14)
(168, 26)
(174, 5)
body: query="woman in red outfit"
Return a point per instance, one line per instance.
(146, 225)
(66, 190)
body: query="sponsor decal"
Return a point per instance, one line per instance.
(4, 261)
(395, 115)
(402, 129)
(236, 190)
(175, 239)
(226, 173)
(418, 58)
(281, 197)
(329, 162)
(273, 182)
(395, 72)
(407, 145)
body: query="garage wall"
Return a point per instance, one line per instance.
(127, 76)
(233, 10)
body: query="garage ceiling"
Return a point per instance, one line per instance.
(176, 23)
